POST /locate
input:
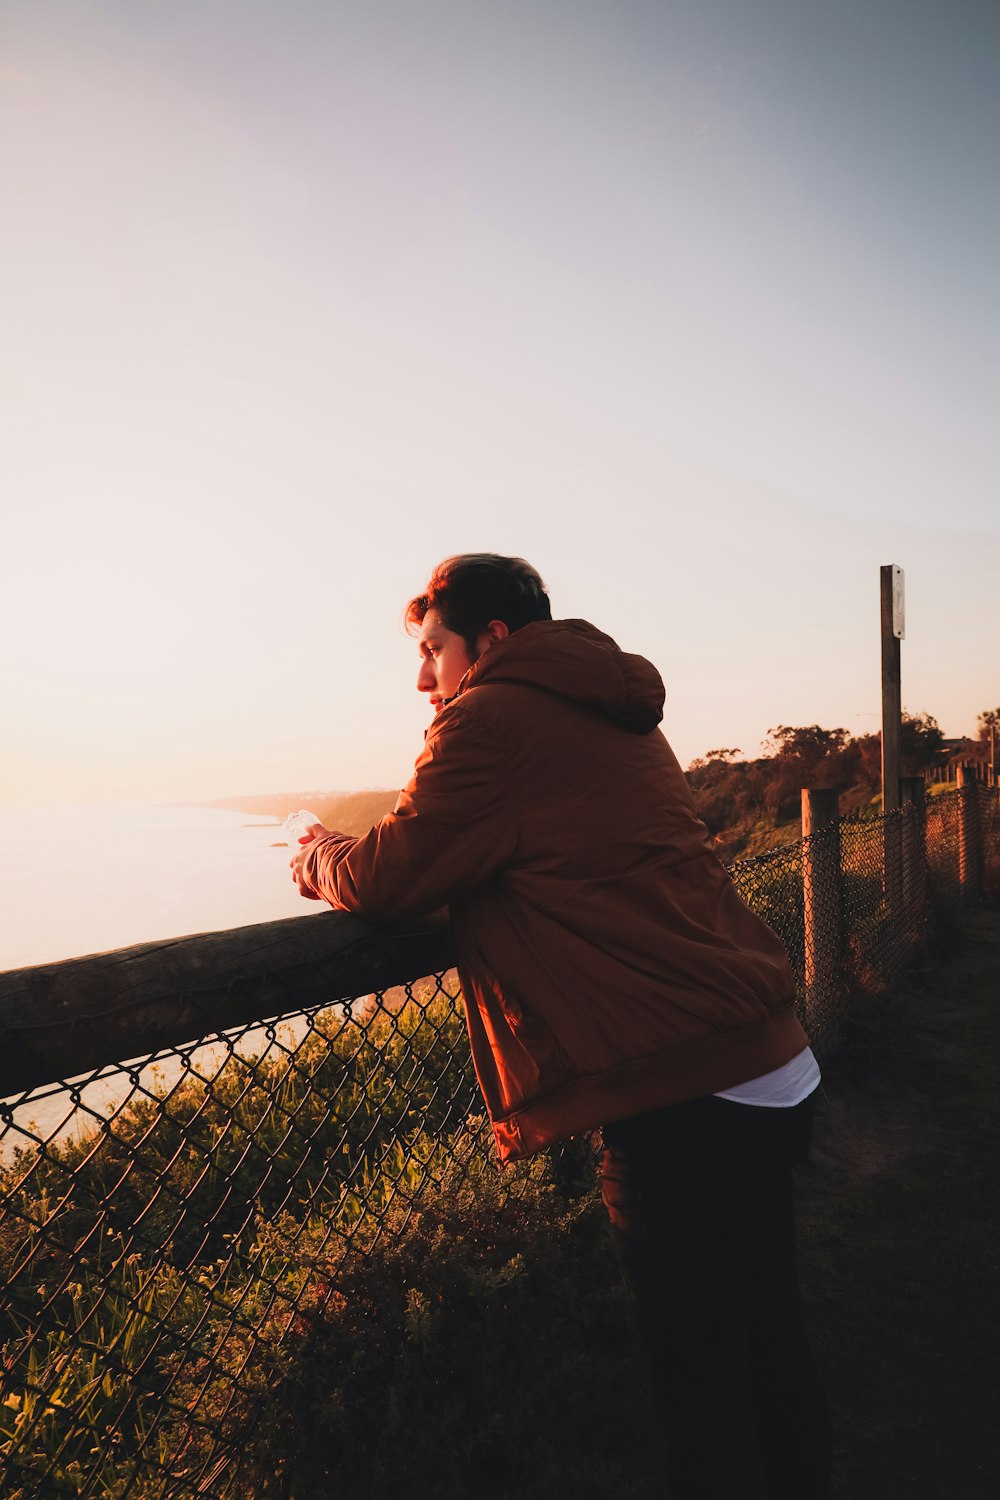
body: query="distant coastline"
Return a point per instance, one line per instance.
(347, 812)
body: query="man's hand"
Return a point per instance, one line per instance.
(313, 832)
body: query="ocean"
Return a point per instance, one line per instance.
(88, 879)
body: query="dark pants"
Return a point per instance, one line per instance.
(700, 1200)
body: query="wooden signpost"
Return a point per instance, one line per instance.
(893, 627)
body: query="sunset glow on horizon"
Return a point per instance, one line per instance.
(692, 306)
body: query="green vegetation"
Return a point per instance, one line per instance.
(483, 1346)
(750, 806)
(316, 1269)
(152, 1265)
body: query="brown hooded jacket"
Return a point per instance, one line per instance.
(608, 964)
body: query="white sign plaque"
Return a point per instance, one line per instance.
(898, 615)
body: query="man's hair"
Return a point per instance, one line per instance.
(474, 588)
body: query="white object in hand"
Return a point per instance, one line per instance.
(296, 825)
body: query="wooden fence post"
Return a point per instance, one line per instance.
(968, 833)
(821, 901)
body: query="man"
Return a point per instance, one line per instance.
(613, 978)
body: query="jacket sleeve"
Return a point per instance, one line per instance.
(452, 829)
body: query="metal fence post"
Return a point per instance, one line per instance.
(969, 881)
(820, 898)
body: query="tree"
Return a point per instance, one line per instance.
(921, 743)
(808, 744)
(868, 749)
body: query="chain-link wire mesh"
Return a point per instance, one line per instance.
(883, 897)
(944, 844)
(163, 1223)
(168, 1227)
(988, 837)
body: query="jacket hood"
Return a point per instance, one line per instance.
(576, 661)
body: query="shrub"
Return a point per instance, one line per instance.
(479, 1343)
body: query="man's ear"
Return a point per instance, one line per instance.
(495, 631)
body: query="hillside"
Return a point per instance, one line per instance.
(748, 806)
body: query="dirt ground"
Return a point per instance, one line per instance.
(900, 1234)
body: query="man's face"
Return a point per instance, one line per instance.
(444, 660)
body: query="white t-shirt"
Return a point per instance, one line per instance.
(780, 1089)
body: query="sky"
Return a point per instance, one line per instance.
(694, 305)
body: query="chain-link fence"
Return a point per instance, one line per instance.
(173, 1227)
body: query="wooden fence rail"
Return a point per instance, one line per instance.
(60, 1020)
